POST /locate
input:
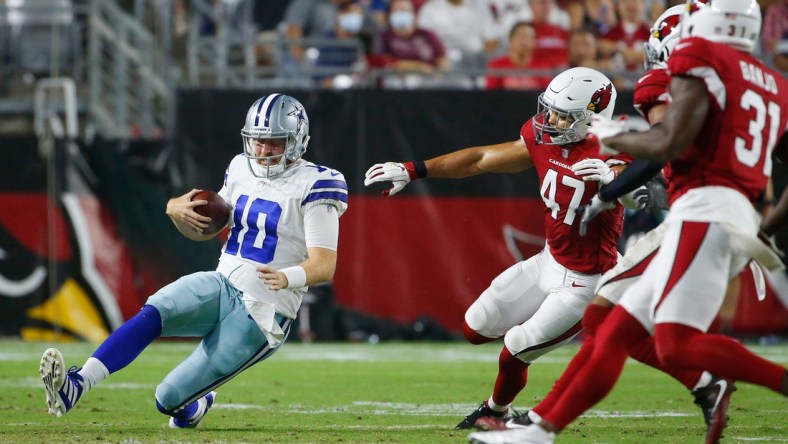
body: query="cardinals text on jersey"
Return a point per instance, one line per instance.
(563, 192)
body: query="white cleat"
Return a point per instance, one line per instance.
(53, 375)
(533, 434)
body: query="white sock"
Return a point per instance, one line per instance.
(94, 371)
(496, 407)
(705, 379)
(535, 417)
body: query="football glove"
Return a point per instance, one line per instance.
(594, 169)
(636, 200)
(591, 211)
(397, 173)
(602, 127)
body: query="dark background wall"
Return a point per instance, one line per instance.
(427, 252)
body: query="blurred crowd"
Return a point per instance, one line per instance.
(511, 44)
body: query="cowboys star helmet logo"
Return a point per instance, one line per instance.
(299, 114)
(601, 98)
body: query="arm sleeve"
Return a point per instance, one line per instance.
(321, 226)
(635, 175)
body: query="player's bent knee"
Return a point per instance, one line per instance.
(168, 398)
(516, 340)
(480, 318)
(473, 336)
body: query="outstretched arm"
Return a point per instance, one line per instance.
(508, 157)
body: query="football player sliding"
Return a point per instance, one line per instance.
(536, 305)
(243, 310)
(726, 116)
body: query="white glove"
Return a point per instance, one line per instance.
(594, 169)
(591, 210)
(393, 172)
(602, 128)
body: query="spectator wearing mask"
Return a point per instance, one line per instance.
(406, 47)
(316, 18)
(349, 48)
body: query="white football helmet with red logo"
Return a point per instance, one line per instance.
(736, 23)
(570, 100)
(665, 33)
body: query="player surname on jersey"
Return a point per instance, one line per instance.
(754, 74)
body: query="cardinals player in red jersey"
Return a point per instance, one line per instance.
(651, 100)
(728, 112)
(536, 305)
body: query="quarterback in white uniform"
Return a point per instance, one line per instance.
(284, 230)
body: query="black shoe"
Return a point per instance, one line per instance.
(517, 421)
(713, 401)
(482, 412)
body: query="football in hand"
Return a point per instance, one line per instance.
(216, 208)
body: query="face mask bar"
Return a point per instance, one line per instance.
(272, 165)
(557, 135)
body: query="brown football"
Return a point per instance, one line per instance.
(216, 208)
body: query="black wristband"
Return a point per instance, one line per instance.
(420, 168)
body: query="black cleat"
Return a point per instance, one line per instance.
(482, 412)
(713, 401)
(517, 421)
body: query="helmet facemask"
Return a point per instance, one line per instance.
(569, 126)
(267, 166)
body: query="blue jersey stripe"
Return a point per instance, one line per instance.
(341, 184)
(336, 195)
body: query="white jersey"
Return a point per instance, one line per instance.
(268, 228)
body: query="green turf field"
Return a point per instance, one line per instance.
(359, 393)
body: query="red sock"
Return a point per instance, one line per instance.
(646, 352)
(686, 347)
(600, 373)
(559, 387)
(592, 318)
(473, 337)
(512, 377)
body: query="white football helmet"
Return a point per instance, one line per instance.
(665, 33)
(570, 100)
(736, 23)
(275, 116)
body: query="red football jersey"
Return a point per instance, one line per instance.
(747, 116)
(651, 90)
(563, 192)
